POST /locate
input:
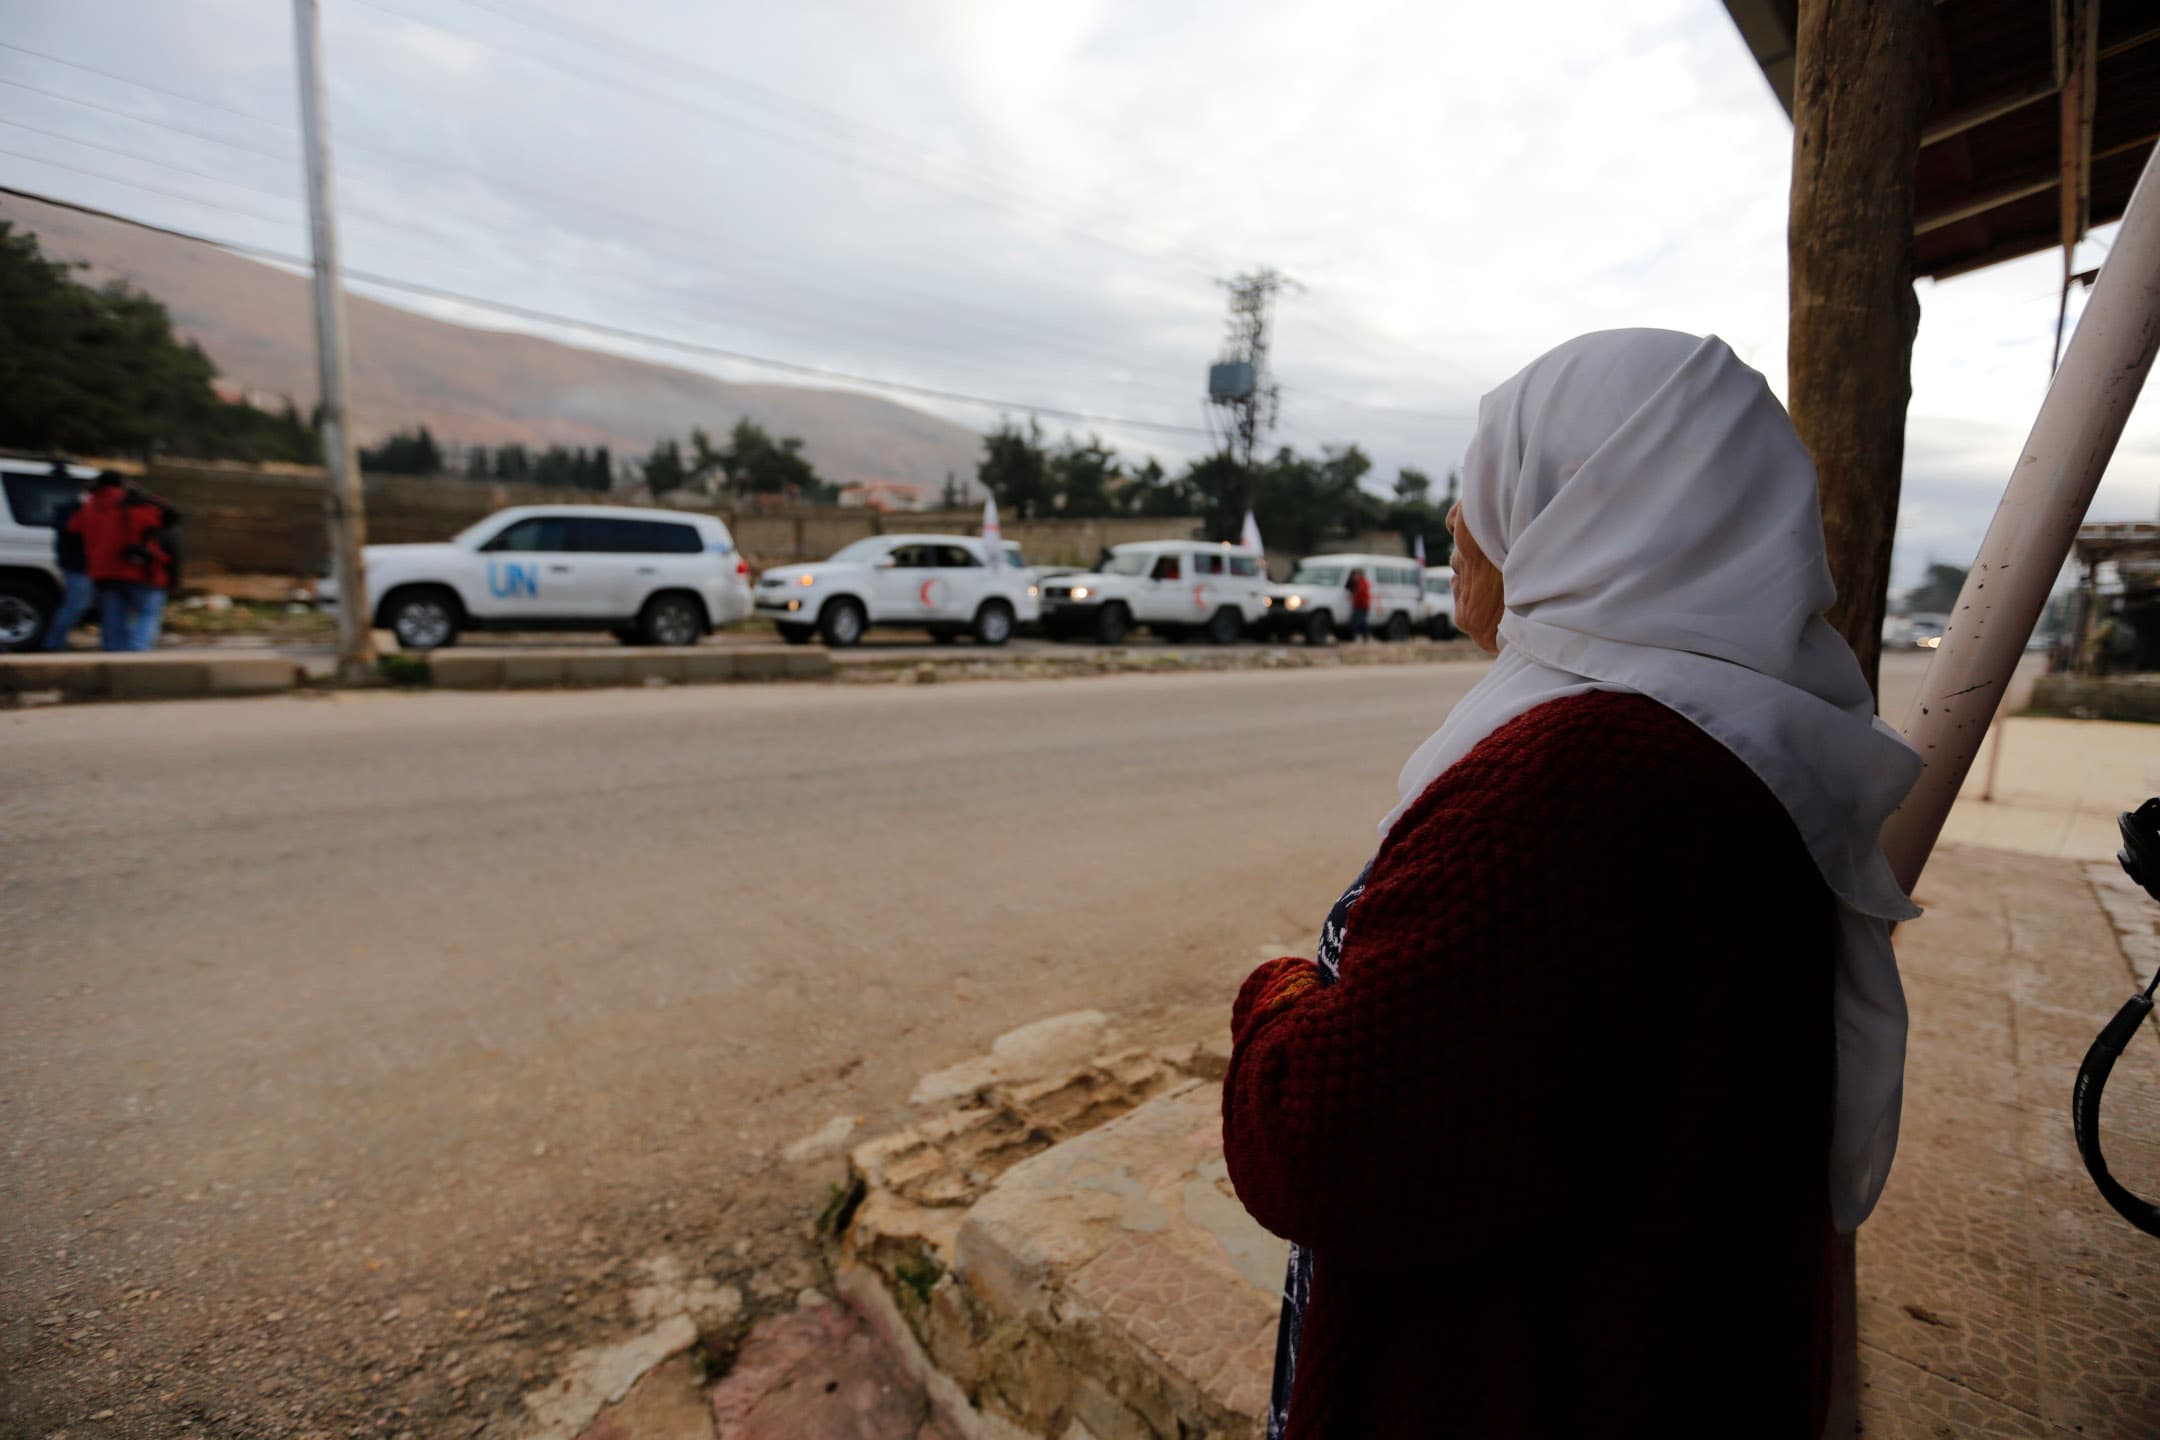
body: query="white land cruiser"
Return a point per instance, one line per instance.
(1315, 602)
(1440, 602)
(937, 583)
(1170, 586)
(652, 577)
(30, 491)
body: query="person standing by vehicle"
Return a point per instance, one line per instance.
(123, 534)
(77, 591)
(1360, 588)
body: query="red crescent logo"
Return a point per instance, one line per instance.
(1199, 597)
(924, 593)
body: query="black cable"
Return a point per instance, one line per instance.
(621, 332)
(146, 85)
(285, 196)
(283, 158)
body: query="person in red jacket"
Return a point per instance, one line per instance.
(1360, 588)
(1606, 1040)
(127, 555)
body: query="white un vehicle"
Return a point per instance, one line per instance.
(30, 492)
(1173, 587)
(652, 577)
(1315, 602)
(937, 583)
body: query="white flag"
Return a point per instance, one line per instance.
(1250, 538)
(992, 537)
(1420, 553)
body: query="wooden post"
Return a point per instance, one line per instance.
(1860, 87)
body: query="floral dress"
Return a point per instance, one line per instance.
(1297, 1285)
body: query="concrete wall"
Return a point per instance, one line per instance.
(269, 520)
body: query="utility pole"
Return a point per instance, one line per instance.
(1240, 384)
(345, 507)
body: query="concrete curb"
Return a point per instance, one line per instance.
(147, 677)
(200, 674)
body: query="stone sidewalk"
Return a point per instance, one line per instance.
(1999, 1296)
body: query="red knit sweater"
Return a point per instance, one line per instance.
(1558, 1136)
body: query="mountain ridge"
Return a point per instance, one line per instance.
(473, 385)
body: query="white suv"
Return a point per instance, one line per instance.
(937, 583)
(1315, 602)
(652, 577)
(1170, 586)
(1440, 602)
(30, 491)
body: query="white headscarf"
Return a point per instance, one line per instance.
(1654, 518)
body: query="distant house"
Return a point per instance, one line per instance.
(887, 496)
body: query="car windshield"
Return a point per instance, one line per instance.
(862, 552)
(1328, 575)
(1128, 562)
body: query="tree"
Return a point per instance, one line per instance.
(1412, 486)
(664, 469)
(1937, 594)
(1015, 470)
(600, 471)
(411, 452)
(754, 463)
(1151, 491)
(1082, 478)
(512, 463)
(951, 498)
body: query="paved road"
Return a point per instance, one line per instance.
(350, 1041)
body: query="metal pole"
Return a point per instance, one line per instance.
(2080, 420)
(346, 508)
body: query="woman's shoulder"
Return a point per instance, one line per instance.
(1585, 757)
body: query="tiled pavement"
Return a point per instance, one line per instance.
(1999, 1296)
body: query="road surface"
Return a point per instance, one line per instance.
(354, 1046)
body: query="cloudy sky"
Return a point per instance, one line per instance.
(1031, 202)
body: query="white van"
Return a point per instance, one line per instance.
(1173, 587)
(1315, 602)
(1439, 602)
(937, 583)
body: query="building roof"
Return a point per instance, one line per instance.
(2039, 121)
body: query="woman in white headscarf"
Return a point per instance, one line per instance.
(1608, 1037)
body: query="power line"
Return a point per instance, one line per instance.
(145, 85)
(621, 332)
(997, 320)
(148, 160)
(283, 159)
(974, 196)
(137, 184)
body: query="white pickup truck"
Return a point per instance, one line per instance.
(1315, 602)
(652, 577)
(938, 583)
(1172, 587)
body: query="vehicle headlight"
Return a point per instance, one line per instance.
(1294, 602)
(806, 580)
(1081, 592)
(1033, 592)
(1931, 642)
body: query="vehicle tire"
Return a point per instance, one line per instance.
(1398, 627)
(27, 606)
(795, 634)
(993, 623)
(1319, 628)
(423, 617)
(672, 619)
(1225, 627)
(1112, 624)
(842, 622)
